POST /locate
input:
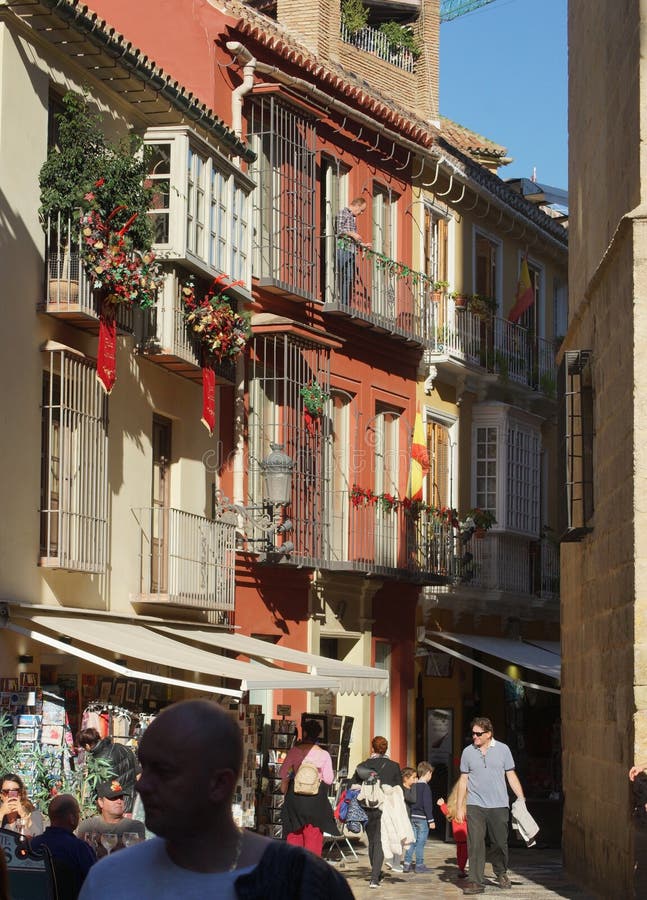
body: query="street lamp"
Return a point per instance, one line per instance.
(277, 470)
(265, 519)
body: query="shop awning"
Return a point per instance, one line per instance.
(138, 642)
(529, 656)
(353, 679)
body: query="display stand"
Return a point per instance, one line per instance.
(250, 719)
(270, 797)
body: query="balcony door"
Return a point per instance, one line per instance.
(334, 197)
(383, 297)
(160, 501)
(337, 466)
(386, 482)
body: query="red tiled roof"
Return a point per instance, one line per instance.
(475, 145)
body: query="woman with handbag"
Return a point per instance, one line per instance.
(306, 775)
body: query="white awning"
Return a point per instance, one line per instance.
(353, 679)
(529, 656)
(137, 642)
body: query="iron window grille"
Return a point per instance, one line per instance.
(576, 443)
(74, 471)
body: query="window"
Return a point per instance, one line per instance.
(383, 300)
(438, 492)
(339, 479)
(576, 442)
(532, 319)
(486, 469)
(435, 245)
(281, 364)
(284, 235)
(560, 307)
(507, 467)
(74, 474)
(486, 255)
(201, 208)
(334, 197)
(160, 502)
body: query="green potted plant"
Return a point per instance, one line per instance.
(460, 299)
(354, 16)
(400, 37)
(439, 288)
(483, 307)
(478, 522)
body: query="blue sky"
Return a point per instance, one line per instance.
(503, 73)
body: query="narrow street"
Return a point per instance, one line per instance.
(535, 873)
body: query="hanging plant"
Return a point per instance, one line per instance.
(314, 399)
(222, 333)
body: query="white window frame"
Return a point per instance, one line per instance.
(506, 419)
(234, 258)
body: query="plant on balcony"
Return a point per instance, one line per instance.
(460, 299)
(438, 289)
(314, 399)
(387, 502)
(354, 15)
(360, 496)
(400, 37)
(476, 523)
(547, 385)
(221, 332)
(483, 307)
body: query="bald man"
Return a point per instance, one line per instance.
(72, 857)
(191, 757)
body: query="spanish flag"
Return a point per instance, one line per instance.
(419, 460)
(525, 293)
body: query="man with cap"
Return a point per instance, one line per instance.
(111, 818)
(191, 756)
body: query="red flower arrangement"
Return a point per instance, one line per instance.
(128, 275)
(222, 331)
(360, 496)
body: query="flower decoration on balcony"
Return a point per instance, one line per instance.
(125, 274)
(483, 307)
(477, 522)
(361, 497)
(222, 333)
(314, 399)
(386, 264)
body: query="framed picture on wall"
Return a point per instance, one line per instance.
(105, 689)
(145, 692)
(120, 692)
(131, 692)
(440, 735)
(439, 664)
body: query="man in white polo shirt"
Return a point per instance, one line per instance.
(483, 799)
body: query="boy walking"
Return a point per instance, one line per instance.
(422, 818)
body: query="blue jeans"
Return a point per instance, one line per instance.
(421, 832)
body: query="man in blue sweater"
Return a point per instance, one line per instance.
(71, 856)
(422, 818)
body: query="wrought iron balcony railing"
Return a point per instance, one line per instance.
(69, 294)
(390, 542)
(508, 562)
(378, 290)
(186, 560)
(372, 40)
(491, 343)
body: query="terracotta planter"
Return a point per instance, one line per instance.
(460, 302)
(480, 533)
(436, 296)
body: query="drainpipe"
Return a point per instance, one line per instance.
(237, 50)
(241, 53)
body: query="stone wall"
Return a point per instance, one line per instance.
(603, 585)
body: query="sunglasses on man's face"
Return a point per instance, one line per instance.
(478, 733)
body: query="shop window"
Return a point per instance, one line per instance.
(74, 475)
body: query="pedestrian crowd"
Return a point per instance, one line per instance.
(196, 849)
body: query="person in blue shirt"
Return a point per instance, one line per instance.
(71, 856)
(487, 769)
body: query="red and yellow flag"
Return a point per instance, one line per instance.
(525, 296)
(419, 459)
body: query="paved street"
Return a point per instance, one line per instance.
(535, 873)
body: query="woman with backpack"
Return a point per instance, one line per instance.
(306, 775)
(374, 774)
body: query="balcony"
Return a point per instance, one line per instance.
(510, 563)
(377, 292)
(460, 338)
(163, 338)
(69, 294)
(392, 543)
(186, 560)
(373, 41)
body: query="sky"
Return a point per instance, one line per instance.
(503, 74)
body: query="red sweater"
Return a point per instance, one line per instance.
(459, 831)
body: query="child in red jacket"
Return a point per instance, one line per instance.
(448, 809)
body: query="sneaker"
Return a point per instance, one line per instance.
(421, 868)
(406, 867)
(374, 884)
(473, 888)
(397, 869)
(462, 873)
(504, 881)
